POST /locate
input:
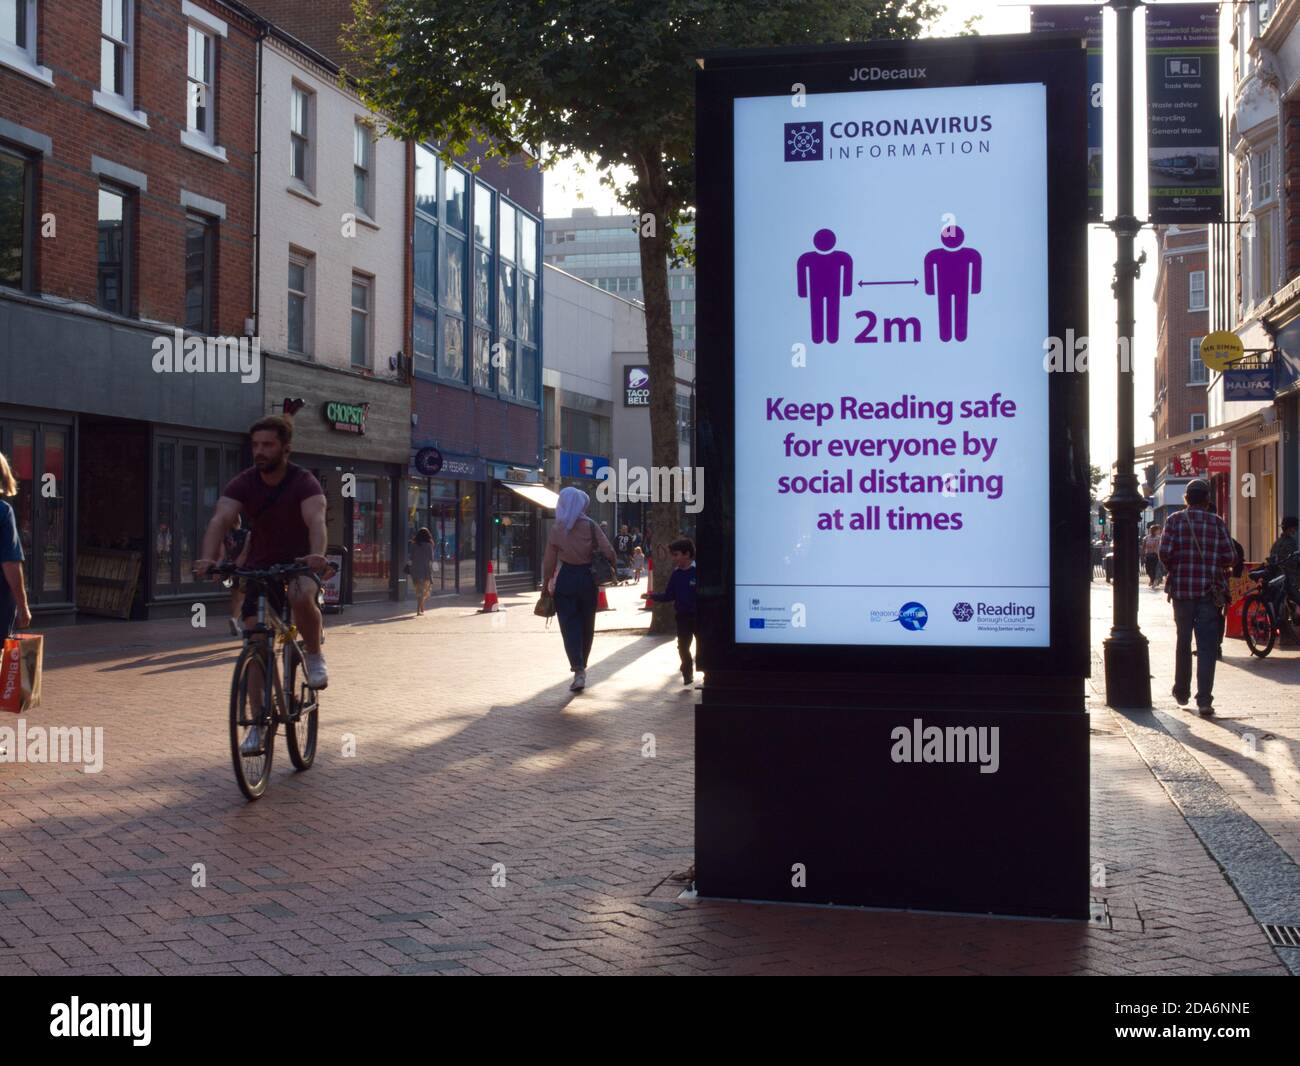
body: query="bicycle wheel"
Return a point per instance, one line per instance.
(247, 694)
(1257, 625)
(303, 703)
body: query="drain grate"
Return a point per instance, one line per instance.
(1282, 936)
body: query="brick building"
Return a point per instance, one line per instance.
(127, 172)
(1182, 313)
(474, 320)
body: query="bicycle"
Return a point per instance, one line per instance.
(1268, 608)
(285, 699)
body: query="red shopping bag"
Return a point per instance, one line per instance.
(20, 672)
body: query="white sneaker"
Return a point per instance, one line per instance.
(317, 676)
(579, 681)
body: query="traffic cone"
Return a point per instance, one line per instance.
(490, 602)
(647, 605)
(602, 601)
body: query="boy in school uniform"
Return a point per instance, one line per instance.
(681, 593)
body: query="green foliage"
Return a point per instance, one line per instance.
(612, 80)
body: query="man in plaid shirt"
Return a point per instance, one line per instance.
(1196, 551)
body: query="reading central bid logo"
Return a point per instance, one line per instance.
(911, 616)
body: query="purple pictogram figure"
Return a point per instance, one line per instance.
(825, 276)
(953, 274)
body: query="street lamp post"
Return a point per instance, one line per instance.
(1127, 655)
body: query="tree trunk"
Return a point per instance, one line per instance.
(653, 225)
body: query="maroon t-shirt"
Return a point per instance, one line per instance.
(279, 533)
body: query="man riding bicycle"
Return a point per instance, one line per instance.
(286, 505)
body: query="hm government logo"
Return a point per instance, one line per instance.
(963, 612)
(803, 141)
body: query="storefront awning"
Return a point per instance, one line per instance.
(1241, 430)
(538, 494)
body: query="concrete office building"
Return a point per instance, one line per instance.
(595, 395)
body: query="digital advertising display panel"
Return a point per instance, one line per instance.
(891, 253)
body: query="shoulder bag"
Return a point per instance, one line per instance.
(602, 572)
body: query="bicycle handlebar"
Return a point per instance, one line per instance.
(279, 571)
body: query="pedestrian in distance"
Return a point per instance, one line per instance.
(14, 611)
(422, 567)
(566, 569)
(1196, 551)
(638, 563)
(1151, 555)
(680, 592)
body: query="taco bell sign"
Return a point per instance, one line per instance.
(636, 386)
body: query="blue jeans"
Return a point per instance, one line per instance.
(1203, 618)
(575, 607)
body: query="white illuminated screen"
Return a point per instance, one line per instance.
(891, 249)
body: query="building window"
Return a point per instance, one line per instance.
(1195, 292)
(453, 198)
(1198, 423)
(453, 273)
(116, 51)
(506, 369)
(17, 178)
(14, 15)
(1263, 160)
(452, 363)
(482, 214)
(1199, 373)
(115, 248)
(200, 95)
(199, 245)
(18, 39)
(482, 359)
(361, 163)
(299, 304)
(683, 419)
(505, 296)
(425, 341)
(300, 134)
(361, 293)
(425, 238)
(507, 231)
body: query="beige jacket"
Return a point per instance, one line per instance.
(576, 546)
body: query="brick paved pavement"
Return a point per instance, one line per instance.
(471, 752)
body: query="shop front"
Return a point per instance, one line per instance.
(449, 503)
(119, 466)
(352, 432)
(516, 534)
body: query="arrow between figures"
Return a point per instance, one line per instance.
(913, 281)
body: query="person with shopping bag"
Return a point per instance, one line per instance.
(20, 657)
(14, 611)
(566, 571)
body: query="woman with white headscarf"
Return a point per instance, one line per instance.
(573, 543)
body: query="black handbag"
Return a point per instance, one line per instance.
(602, 570)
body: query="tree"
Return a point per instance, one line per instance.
(1094, 479)
(610, 80)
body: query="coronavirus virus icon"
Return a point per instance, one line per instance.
(963, 612)
(803, 140)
